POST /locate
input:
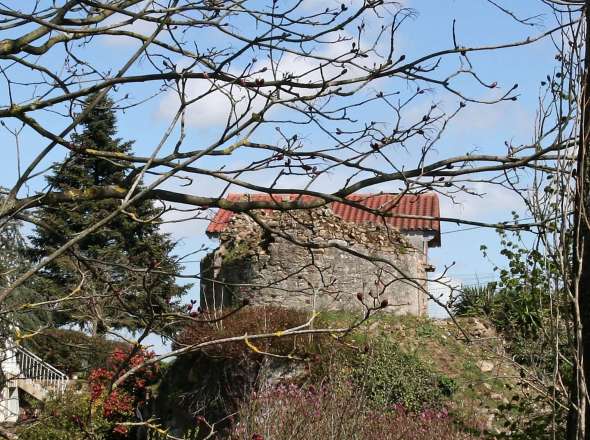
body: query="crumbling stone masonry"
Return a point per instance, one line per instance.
(251, 264)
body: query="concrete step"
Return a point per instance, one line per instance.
(34, 388)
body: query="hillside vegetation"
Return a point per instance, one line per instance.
(391, 377)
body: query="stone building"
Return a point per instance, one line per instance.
(323, 258)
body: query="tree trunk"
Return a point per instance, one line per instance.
(579, 413)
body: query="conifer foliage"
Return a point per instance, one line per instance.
(12, 250)
(13, 263)
(122, 275)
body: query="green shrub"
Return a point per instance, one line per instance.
(528, 305)
(389, 377)
(68, 417)
(476, 301)
(72, 351)
(518, 310)
(511, 305)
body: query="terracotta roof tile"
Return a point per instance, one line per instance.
(419, 205)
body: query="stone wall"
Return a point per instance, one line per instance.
(265, 269)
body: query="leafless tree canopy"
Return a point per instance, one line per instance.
(279, 97)
(286, 89)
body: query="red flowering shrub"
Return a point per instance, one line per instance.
(101, 412)
(119, 404)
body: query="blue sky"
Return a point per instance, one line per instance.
(481, 128)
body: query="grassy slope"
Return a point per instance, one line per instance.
(443, 346)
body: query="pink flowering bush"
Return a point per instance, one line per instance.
(289, 412)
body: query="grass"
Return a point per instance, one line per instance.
(441, 345)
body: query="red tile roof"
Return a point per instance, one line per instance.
(410, 205)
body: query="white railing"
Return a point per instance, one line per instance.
(35, 369)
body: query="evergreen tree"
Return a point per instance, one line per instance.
(12, 251)
(13, 263)
(115, 292)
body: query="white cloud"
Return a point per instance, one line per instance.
(512, 117)
(217, 102)
(141, 27)
(187, 221)
(116, 22)
(495, 205)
